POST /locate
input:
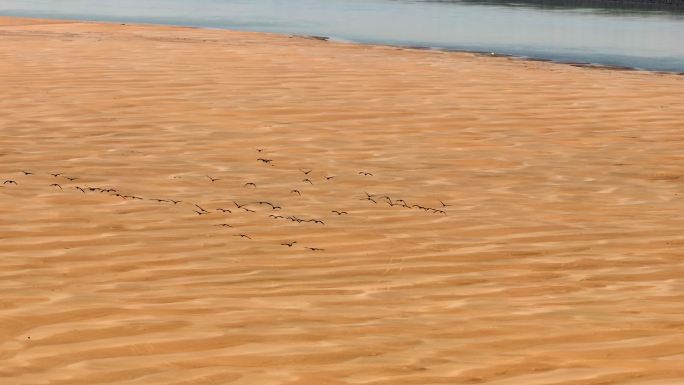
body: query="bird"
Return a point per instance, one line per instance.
(83, 191)
(315, 221)
(239, 205)
(305, 172)
(365, 173)
(288, 244)
(307, 180)
(56, 185)
(369, 199)
(56, 174)
(223, 225)
(201, 208)
(250, 184)
(295, 191)
(276, 216)
(260, 149)
(135, 197)
(8, 181)
(27, 172)
(212, 179)
(200, 212)
(248, 210)
(444, 204)
(160, 200)
(243, 236)
(267, 161)
(339, 212)
(175, 202)
(274, 207)
(223, 210)
(439, 211)
(329, 177)
(69, 178)
(315, 249)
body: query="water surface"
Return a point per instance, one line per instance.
(567, 32)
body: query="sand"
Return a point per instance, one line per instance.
(558, 260)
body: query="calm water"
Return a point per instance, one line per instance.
(634, 38)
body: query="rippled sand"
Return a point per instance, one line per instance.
(558, 260)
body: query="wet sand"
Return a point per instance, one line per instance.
(558, 260)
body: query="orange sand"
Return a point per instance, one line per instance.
(558, 263)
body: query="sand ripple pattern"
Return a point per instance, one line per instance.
(557, 259)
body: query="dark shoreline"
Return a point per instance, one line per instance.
(324, 39)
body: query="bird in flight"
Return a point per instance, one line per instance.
(339, 212)
(27, 172)
(295, 191)
(223, 210)
(83, 191)
(276, 216)
(243, 236)
(239, 205)
(315, 249)
(8, 181)
(56, 174)
(201, 208)
(248, 210)
(316, 221)
(200, 212)
(444, 204)
(69, 178)
(260, 149)
(307, 180)
(274, 207)
(305, 171)
(329, 177)
(288, 244)
(365, 173)
(160, 200)
(369, 199)
(56, 185)
(212, 179)
(223, 225)
(250, 184)
(175, 202)
(267, 161)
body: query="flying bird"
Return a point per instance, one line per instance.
(8, 181)
(315, 249)
(57, 174)
(329, 177)
(444, 204)
(70, 179)
(305, 172)
(243, 236)
(175, 202)
(238, 205)
(267, 161)
(307, 180)
(295, 191)
(201, 208)
(339, 212)
(288, 244)
(56, 185)
(250, 184)
(212, 179)
(83, 191)
(365, 173)
(223, 225)
(27, 172)
(223, 210)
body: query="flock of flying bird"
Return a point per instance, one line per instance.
(201, 211)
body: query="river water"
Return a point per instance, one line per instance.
(646, 39)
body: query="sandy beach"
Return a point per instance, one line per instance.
(498, 221)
